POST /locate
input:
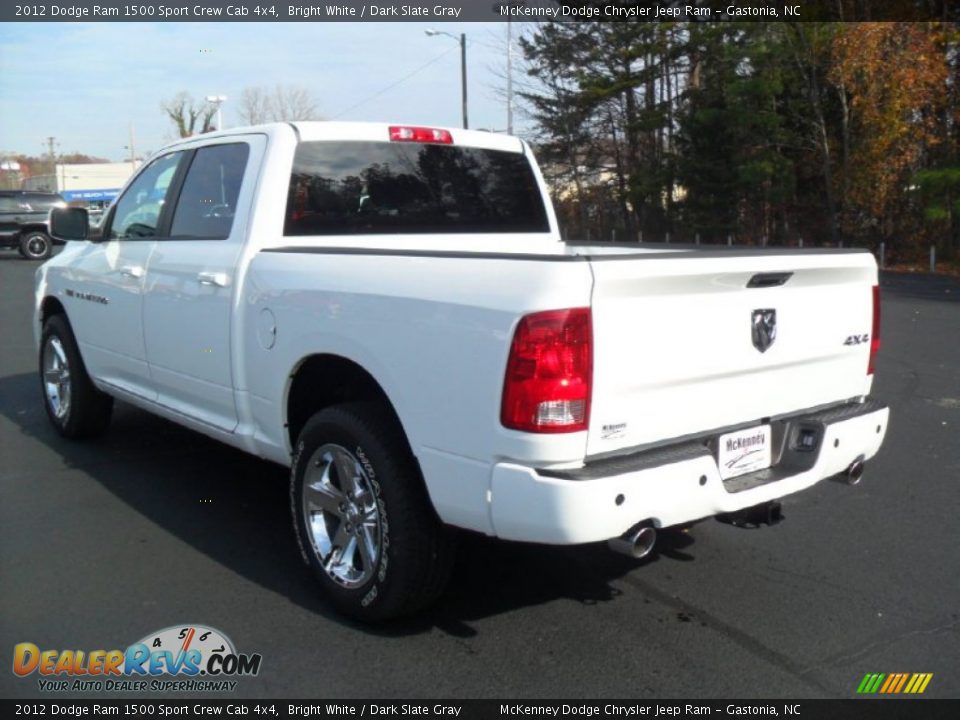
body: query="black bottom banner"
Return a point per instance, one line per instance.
(912, 709)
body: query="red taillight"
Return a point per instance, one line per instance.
(401, 133)
(875, 332)
(550, 373)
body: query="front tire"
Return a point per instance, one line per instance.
(36, 245)
(362, 516)
(74, 405)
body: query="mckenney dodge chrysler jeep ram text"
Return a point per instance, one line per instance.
(390, 311)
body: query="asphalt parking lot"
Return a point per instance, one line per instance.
(152, 526)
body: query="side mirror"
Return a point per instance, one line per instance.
(69, 223)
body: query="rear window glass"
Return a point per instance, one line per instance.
(345, 188)
(45, 202)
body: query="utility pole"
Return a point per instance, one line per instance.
(133, 152)
(509, 79)
(52, 153)
(51, 144)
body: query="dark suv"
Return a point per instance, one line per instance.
(24, 221)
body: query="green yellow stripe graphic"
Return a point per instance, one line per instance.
(894, 683)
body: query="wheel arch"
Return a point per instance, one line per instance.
(321, 380)
(32, 227)
(51, 306)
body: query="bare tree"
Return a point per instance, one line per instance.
(254, 106)
(186, 113)
(284, 102)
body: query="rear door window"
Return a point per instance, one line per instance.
(343, 188)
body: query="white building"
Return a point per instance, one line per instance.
(90, 182)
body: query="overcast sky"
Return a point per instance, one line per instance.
(85, 83)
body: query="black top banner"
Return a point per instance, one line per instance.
(479, 10)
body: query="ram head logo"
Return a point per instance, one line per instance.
(763, 328)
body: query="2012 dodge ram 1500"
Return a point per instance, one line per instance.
(390, 312)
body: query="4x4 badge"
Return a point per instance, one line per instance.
(763, 328)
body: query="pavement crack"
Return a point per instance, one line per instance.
(840, 658)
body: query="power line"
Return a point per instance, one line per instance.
(393, 85)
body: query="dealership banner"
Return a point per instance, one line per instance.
(486, 709)
(478, 10)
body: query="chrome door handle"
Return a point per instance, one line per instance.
(215, 279)
(132, 271)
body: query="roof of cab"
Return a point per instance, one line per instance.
(380, 132)
(320, 130)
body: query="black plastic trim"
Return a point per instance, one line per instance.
(772, 279)
(787, 460)
(704, 437)
(425, 253)
(624, 464)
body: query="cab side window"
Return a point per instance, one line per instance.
(208, 200)
(137, 213)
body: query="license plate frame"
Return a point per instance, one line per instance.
(744, 451)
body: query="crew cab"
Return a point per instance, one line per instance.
(390, 312)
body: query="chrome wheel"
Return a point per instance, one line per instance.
(56, 377)
(341, 516)
(36, 246)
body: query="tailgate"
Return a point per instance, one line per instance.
(676, 352)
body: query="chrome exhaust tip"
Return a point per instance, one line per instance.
(855, 471)
(636, 542)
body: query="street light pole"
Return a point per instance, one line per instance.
(218, 100)
(499, 7)
(463, 76)
(463, 67)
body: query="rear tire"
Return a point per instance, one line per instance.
(36, 245)
(74, 405)
(362, 516)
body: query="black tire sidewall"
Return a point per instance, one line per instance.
(25, 245)
(342, 427)
(89, 411)
(57, 327)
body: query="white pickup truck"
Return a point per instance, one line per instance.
(390, 312)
